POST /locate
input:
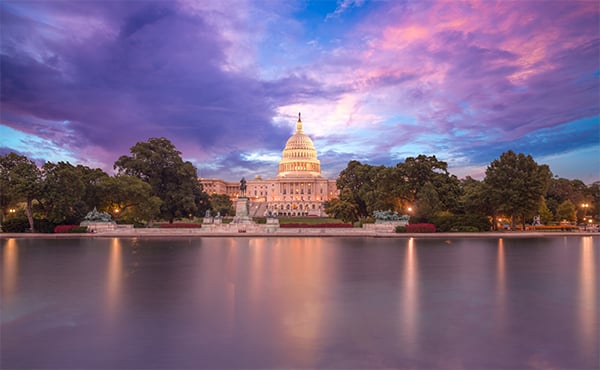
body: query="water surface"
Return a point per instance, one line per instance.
(128, 303)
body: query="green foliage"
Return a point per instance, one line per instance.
(79, 230)
(428, 202)
(260, 220)
(516, 184)
(424, 180)
(221, 203)
(400, 229)
(20, 181)
(475, 197)
(567, 211)
(15, 224)
(308, 220)
(62, 190)
(423, 169)
(20, 224)
(343, 208)
(172, 180)
(546, 215)
(129, 199)
(466, 222)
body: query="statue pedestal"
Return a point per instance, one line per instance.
(99, 226)
(207, 220)
(242, 211)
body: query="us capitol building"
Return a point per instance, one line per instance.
(298, 190)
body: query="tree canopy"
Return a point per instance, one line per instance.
(172, 180)
(516, 184)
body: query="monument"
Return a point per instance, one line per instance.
(242, 206)
(386, 221)
(98, 221)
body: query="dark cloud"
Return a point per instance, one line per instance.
(159, 74)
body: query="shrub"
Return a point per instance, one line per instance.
(21, 225)
(553, 228)
(79, 229)
(400, 229)
(179, 225)
(15, 225)
(64, 228)
(43, 226)
(260, 220)
(368, 220)
(464, 223)
(466, 229)
(420, 228)
(329, 225)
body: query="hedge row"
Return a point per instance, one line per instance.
(64, 228)
(416, 228)
(553, 228)
(338, 225)
(179, 225)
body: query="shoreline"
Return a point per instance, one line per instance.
(292, 233)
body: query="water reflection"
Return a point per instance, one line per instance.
(500, 285)
(410, 292)
(588, 307)
(301, 313)
(10, 269)
(114, 279)
(301, 303)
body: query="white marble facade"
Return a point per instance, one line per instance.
(298, 190)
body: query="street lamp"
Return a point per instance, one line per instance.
(585, 206)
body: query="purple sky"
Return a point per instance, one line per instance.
(375, 81)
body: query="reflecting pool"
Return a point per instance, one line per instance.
(474, 303)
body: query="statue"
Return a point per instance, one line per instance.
(218, 216)
(207, 213)
(243, 187)
(389, 216)
(95, 216)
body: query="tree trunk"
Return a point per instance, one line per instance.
(30, 215)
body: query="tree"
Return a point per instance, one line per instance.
(544, 212)
(567, 211)
(423, 169)
(516, 184)
(174, 181)
(221, 203)
(130, 199)
(19, 181)
(428, 202)
(343, 207)
(63, 189)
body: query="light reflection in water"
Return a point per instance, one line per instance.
(302, 308)
(588, 307)
(10, 269)
(114, 279)
(500, 285)
(230, 287)
(410, 292)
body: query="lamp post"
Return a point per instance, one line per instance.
(585, 206)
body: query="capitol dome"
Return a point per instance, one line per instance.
(299, 158)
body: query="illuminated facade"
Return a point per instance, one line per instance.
(298, 190)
